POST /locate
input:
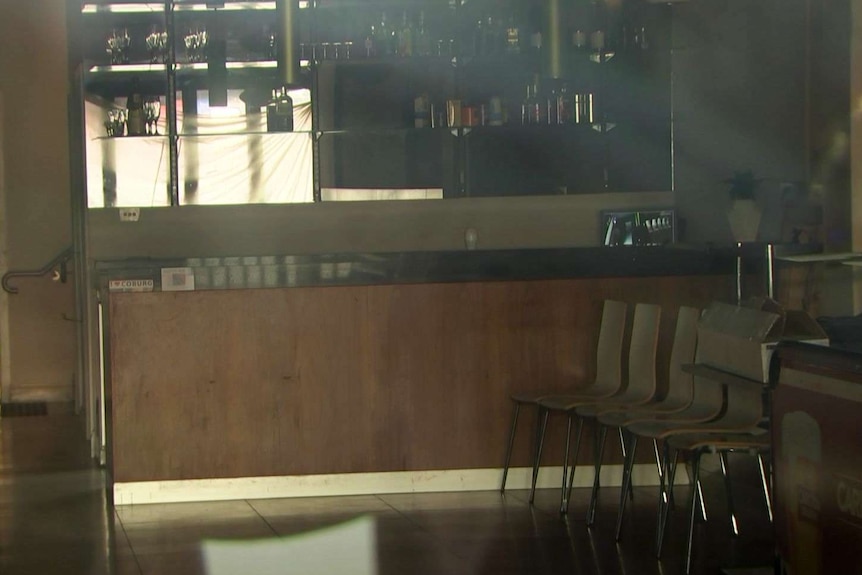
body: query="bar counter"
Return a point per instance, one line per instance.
(359, 373)
(818, 460)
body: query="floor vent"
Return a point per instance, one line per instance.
(29, 409)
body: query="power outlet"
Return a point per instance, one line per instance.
(130, 214)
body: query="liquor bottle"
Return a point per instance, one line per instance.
(405, 37)
(564, 105)
(370, 37)
(382, 38)
(279, 112)
(525, 106)
(538, 105)
(423, 39)
(513, 37)
(135, 121)
(480, 38)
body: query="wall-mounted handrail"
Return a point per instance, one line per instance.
(58, 260)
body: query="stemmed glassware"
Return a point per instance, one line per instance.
(157, 46)
(118, 46)
(115, 125)
(196, 45)
(152, 111)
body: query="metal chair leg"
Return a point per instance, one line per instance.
(767, 494)
(725, 471)
(623, 451)
(628, 465)
(702, 500)
(574, 464)
(695, 465)
(659, 467)
(511, 445)
(663, 500)
(541, 440)
(696, 485)
(600, 451)
(564, 504)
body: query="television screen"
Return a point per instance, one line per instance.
(650, 227)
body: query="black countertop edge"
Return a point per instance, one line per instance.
(240, 272)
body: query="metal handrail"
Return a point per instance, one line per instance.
(58, 260)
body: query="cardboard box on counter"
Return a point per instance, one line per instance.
(742, 339)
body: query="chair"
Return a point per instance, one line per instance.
(643, 342)
(607, 381)
(741, 414)
(698, 444)
(640, 391)
(679, 397)
(707, 404)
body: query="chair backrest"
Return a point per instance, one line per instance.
(609, 352)
(707, 395)
(642, 350)
(744, 408)
(680, 390)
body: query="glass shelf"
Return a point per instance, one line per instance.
(465, 130)
(239, 65)
(181, 67)
(124, 8)
(127, 68)
(159, 7)
(156, 137)
(243, 134)
(384, 131)
(376, 5)
(227, 6)
(151, 137)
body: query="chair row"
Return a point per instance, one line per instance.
(697, 414)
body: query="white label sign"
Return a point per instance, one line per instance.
(130, 285)
(178, 279)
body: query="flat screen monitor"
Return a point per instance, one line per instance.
(647, 227)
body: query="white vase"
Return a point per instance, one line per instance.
(744, 218)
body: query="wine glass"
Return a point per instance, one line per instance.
(118, 46)
(196, 44)
(152, 111)
(115, 125)
(157, 44)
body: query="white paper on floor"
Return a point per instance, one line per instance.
(348, 548)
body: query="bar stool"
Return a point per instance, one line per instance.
(608, 379)
(644, 337)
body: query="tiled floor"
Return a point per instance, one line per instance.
(54, 519)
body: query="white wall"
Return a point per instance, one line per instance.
(40, 356)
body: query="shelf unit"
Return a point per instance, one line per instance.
(363, 126)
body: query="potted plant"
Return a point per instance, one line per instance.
(743, 214)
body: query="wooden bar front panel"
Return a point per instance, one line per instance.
(313, 380)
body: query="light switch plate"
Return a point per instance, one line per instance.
(130, 214)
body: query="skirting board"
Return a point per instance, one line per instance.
(138, 493)
(48, 393)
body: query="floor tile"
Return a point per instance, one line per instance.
(185, 513)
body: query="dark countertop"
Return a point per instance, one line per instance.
(441, 267)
